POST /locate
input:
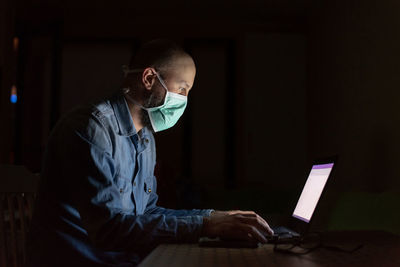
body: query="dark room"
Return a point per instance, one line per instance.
(199, 133)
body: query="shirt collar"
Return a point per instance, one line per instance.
(123, 115)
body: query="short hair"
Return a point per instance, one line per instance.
(159, 54)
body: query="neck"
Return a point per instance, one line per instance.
(135, 111)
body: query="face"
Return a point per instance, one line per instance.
(178, 79)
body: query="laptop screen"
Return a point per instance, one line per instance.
(312, 191)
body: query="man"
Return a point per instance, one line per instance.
(97, 200)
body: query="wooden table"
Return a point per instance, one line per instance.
(379, 249)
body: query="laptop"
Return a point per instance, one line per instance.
(303, 212)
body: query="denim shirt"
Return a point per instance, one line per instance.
(97, 202)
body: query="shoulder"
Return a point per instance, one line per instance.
(91, 123)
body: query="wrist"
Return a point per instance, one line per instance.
(212, 212)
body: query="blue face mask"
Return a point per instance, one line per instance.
(167, 114)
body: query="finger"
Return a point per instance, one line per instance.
(257, 222)
(256, 235)
(242, 231)
(236, 232)
(270, 231)
(243, 234)
(264, 222)
(267, 228)
(252, 214)
(241, 212)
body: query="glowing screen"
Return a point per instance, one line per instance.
(312, 191)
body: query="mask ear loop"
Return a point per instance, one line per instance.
(126, 71)
(161, 81)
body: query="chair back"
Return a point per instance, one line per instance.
(17, 193)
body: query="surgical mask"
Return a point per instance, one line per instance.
(166, 115)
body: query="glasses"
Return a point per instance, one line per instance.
(308, 244)
(300, 246)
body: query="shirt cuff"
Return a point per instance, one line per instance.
(207, 213)
(190, 228)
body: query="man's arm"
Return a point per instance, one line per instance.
(90, 173)
(110, 228)
(241, 225)
(152, 207)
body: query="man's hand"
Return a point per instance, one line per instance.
(237, 224)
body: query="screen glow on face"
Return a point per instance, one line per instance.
(312, 191)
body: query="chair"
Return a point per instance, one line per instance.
(17, 193)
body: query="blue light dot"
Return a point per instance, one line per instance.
(13, 99)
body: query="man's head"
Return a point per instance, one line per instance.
(157, 62)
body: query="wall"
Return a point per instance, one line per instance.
(8, 60)
(354, 100)
(353, 91)
(275, 109)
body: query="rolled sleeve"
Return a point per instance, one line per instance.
(152, 207)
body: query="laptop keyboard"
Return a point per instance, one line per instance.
(281, 230)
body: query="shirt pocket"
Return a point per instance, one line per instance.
(148, 185)
(144, 195)
(124, 189)
(123, 185)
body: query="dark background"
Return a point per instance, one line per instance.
(278, 84)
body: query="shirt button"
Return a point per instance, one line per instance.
(149, 190)
(134, 183)
(146, 140)
(121, 190)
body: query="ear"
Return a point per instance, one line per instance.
(148, 78)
